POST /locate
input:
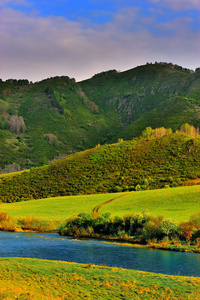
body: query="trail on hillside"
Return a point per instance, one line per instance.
(95, 211)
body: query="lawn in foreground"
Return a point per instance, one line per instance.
(175, 203)
(42, 279)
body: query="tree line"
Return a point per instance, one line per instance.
(141, 227)
(185, 129)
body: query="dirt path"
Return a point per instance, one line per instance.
(95, 211)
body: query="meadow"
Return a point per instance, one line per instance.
(55, 209)
(42, 279)
(176, 203)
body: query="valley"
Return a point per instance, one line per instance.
(115, 157)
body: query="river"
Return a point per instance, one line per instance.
(52, 246)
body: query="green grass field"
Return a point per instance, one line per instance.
(42, 279)
(175, 203)
(55, 209)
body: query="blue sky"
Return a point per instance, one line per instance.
(40, 39)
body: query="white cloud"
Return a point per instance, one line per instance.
(14, 2)
(35, 47)
(178, 4)
(180, 25)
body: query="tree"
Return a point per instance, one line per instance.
(17, 124)
(159, 132)
(187, 230)
(4, 106)
(147, 133)
(189, 130)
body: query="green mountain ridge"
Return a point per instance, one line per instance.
(53, 118)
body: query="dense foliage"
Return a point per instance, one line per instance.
(47, 120)
(143, 227)
(139, 164)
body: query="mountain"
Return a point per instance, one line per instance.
(153, 95)
(53, 118)
(167, 161)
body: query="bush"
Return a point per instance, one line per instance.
(195, 220)
(36, 224)
(143, 226)
(80, 224)
(102, 224)
(187, 230)
(7, 223)
(170, 228)
(118, 189)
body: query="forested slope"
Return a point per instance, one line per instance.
(152, 163)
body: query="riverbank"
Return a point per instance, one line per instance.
(131, 241)
(154, 232)
(143, 229)
(182, 248)
(42, 279)
(123, 241)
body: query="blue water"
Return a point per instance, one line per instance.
(52, 246)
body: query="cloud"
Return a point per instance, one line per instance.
(14, 2)
(178, 4)
(180, 25)
(36, 47)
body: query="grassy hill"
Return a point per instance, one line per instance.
(32, 279)
(139, 164)
(47, 120)
(179, 204)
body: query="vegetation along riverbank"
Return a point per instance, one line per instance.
(173, 224)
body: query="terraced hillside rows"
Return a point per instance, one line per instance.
(139, 164)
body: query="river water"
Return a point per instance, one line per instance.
(52, 246)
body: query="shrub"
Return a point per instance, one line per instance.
(187, 230)
(165, 242)
(118, 189)
(7, 223)
(198, 243)
(170, 228)
(136, 221)
(176, 241)
(138, 187)
(36, 224)
(195, 220)
(72, 227)
(166, 186)
(102, 224)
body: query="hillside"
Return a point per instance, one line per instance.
(178, 204)
(138, 164)
(28, 278)
(53, 118)
(152, 95)
(58, 121)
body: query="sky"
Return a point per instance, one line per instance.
(79, 38)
